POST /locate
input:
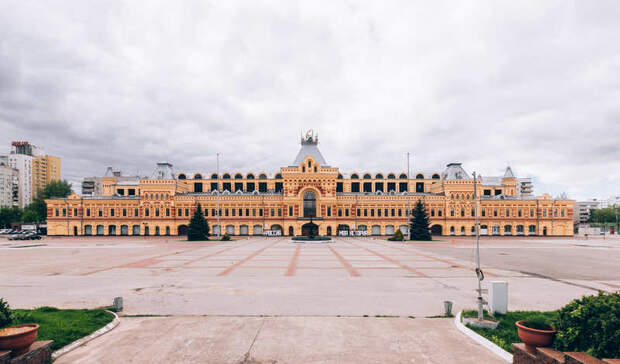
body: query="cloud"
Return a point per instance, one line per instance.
(127, 84)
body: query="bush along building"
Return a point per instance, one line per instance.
(311, 197)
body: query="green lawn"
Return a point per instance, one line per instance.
(506, 332)
(62, 326)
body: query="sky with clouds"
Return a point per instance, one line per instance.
(533, 84)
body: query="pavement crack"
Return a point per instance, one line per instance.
(246, 357)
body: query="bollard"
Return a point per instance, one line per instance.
(447, 305)
(118, 304)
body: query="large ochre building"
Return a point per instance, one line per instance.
(310, 195)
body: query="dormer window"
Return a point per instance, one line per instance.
(309, 164)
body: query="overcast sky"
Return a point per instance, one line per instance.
(127, 84)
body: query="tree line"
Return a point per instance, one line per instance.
(36, 212)
(605, 215)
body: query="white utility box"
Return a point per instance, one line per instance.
(498, 297)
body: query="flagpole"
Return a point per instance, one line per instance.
(478, 270)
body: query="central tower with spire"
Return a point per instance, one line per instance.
(309, 147)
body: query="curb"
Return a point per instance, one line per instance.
(481, 340)
(79, 342)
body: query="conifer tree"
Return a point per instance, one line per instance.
(419, 224)
(198, 226)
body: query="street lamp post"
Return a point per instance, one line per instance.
(219, 225)
(479, 273)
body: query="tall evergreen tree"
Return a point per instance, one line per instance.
(419, 224)
(198, 226)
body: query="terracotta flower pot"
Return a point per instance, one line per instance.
(533, 338)
(18, 338)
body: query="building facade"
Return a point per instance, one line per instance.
(45, 169)
(309, 193)
(9, 184)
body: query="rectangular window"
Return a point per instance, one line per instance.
(87, 212)
(367, 186)
(233, 212)
(131, 192)
(75, 213)
(197, 186)
(419, 187)
(452, 212)
(386, 213)
(357, 213)
(339, 212)
(400, 212)
(439, 212)
(272, 213)
(379, 212)
(124, 212)
(339, 187)
(238, 186)
(260, 212)
(250, 186)
(213, 212)
(487, 192)
(520, 213)
(225, 212)
(495, 212)
(346, 212)
(372, 212)
(393, 212)
(279, 212)
(111, 212)
(562, 213)
(120, 191)
(365, 212)
(146, 212)
(135, 212)
(279, 187)
(253, 212)
(391, 186)
(206, 213)
(157, 212)
(213, 186)
(226, 186)
(329, 211)
(57, 212)
(100, 213)
(186, 212)
(180, 212)
(355, 187)
(544, 212)
(498, 192)
(262, 186)
(379, 186)
(507, 212)
(402, 186)
(240, 212)
(290, 211)
(531, 212)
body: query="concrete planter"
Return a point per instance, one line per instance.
(18, 338)
(533, 338)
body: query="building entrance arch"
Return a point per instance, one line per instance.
(436, 230)
(310, 229)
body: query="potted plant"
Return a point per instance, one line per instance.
(535, 332)
(17, 338)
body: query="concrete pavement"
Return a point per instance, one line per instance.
(185, 339)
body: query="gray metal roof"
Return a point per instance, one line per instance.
(309, 149)
(454, 171)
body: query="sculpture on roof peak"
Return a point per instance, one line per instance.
(310, 138)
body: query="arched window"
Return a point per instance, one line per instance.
(262, 176)
(214, 176)
(391, 176)
(309, 204)
(436, 176)
(419, 176)
(182, 176)
(198, 176)
(339, 176)
(226, 176)
(403, 176)
(278, 175)
(238, 176)
(355, 176)
(250, 176)
(367, 176)
(378, 176)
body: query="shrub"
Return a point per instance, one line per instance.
(398, 236)
(225, 237)
(590, 324)
(5, 314)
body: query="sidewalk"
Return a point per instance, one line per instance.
(186, 339)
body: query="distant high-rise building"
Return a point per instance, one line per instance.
(100, 186)
(45, 169)
(35, 169)
(9, 184)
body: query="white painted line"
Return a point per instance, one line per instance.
(79, 342)
(481, 340)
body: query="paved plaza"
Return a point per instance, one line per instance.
(343, 289)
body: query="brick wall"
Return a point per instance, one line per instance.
(550, 356)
